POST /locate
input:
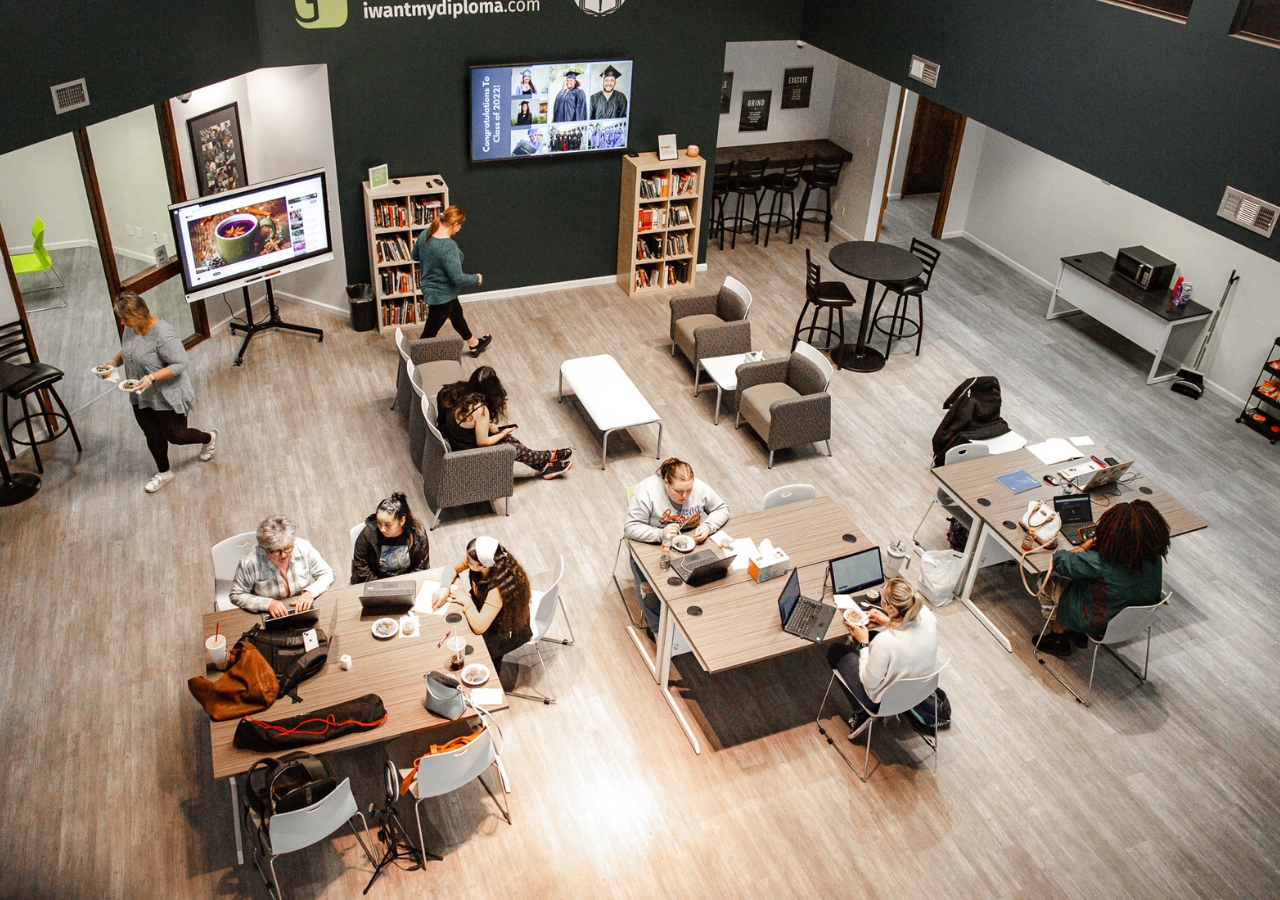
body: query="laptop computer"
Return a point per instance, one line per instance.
(702, 567)
(856, 572)
(1076, 511)
(384, 597)
(305, 619)
(801, 616)
(1103, 477)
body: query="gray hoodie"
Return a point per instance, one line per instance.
(651, 510)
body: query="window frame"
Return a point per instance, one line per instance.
(1238, 27)
(1143, 6)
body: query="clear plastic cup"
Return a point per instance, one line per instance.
(457, 645)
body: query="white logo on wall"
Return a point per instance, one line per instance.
(599, 7)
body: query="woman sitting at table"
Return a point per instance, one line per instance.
(1121, 565)
(499, 607)
(905, 647)
(668, 503)
(281, 569)
(391, 544)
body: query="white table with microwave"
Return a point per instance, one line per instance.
(1088, 284)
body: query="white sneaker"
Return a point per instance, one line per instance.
(206, 454)
(159, 480)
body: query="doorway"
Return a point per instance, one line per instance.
(918, 190)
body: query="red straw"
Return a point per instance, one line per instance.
(216, 626)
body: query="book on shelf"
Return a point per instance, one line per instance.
(425, 210)
(655, 187)
(687, 183)
(680, 215)
(677, 244)
(402, 312)
(648, 277)
(677, 273)
(389, 214)
(395, 281)
(393, 250)
(650, 218)
(648, 248)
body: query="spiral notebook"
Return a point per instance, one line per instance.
(1018, 481)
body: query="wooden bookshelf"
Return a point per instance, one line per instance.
(658, 222)
(394, 215)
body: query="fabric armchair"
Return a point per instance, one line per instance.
(708, 325)
(433, 353)
(786, 402)
(455, 478)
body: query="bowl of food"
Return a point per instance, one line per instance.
(475, 675)
(683, 542)
(103, 370)
(385, 629)
(856, 617)
(129, 385)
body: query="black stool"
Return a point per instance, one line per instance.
(16, 342)
(783, 184)
(823, 175)
(900, 325)
(832, 296)
(747, 181)
(721, 178)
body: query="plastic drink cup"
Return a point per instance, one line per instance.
(217, 647)
(457, 645)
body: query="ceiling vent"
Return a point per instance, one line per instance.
(70, 95)
(1254, 214)
(923, 70)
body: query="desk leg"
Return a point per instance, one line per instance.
(658, 455)
(235, 817)
(604, 452)
(1152, 378)
(977, 536)
(716, 420)
(863, 358)
(561, 389)
(1053, 312)
(666, 643)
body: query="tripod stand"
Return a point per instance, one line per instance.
(392, 833)
(250, 328)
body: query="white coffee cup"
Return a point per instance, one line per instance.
(217, 647)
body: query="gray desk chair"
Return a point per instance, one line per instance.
(789, 493)
(544, 605)
(1127, 625)
(785, 401)
(458, 477)
(226, 556)
(902, 695)
(707, 325)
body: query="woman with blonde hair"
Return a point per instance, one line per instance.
(442, 277)
(905, 647)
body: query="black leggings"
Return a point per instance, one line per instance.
(163, 427)
(436, 315)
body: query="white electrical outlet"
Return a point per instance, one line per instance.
(155, 236)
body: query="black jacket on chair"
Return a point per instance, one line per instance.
(973, 413)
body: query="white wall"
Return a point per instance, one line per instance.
(759, 66)
(962, 183)
(44, 180)
(905, 126)
(858, 119)
(129, 163)
(1032, 209)
(8, 306)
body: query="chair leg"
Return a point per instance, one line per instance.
(361, 841)
(565, 613)
(795, 336)
(274, 887)
(1035, 653)
(8, 438)
(828, 443)
(70, 424)
(35, 448)
(504, 809)
(435, 520)
(618, 585)
(920, 322)
(804, 204)
(770, 459)
(546, 699)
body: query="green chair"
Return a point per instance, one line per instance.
(38, 260)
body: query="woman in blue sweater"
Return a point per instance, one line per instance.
(442, 276)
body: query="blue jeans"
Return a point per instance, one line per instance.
(650, 605)
(844, 659)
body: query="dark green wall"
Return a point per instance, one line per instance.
(1173, 113)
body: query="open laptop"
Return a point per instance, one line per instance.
(306, 619)
(856, 572)
(702, 567)
(1076, 511)
(801, 616)
(1103, 477)
(386, 597)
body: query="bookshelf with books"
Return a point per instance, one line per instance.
(658, 222)
(395, 214)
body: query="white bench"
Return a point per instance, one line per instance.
(608, 396)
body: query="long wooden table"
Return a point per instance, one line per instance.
(995, 510)
(735, 621)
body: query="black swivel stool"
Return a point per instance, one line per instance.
(823, 175)
(721, 179)
(833, 297)
(14, 343)
(900, 325)
(782, 184)
(748, 181)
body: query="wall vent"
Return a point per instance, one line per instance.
(1248, 211)
(70, 95)
(923, 70)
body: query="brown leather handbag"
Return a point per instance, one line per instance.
(248, 686)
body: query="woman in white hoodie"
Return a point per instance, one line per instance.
(668, 503)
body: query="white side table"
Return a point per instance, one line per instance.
(724, 373)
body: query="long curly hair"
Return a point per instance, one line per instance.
(1132, 534)
(508, 577)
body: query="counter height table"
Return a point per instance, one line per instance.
(878, 264)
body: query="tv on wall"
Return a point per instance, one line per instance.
(238, 237)
(549, 109)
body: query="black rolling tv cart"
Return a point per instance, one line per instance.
(1262, 410)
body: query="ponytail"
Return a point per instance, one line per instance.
(452, 216)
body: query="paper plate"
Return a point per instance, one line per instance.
(475, 675)
(856, 617)
(683, 543)
(129, 385)
(103, 371)
(385, 629)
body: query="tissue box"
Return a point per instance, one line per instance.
(761, 570)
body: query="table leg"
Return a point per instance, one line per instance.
(1152, 377)
(18, 486)
(235, 817)
(977, 535)
(561, 390)
(604, 453)
(716, 420)
(666, 643)
(697, 372)
(863, 358)
(1053, 312)
(658, 455)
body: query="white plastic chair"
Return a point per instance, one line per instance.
(958, 453)
(286, 832)
(355, 535)
(226, 556)
(1126, 625)
(543, 614)
(902, 695)
(811, 353)
(741, 290)
(789, 493)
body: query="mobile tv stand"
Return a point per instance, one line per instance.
(249, 328)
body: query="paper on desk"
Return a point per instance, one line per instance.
(1054, 451)
(422, 602)
(843, 601)
(1082, 441)
(486, 696)
(745, 548)
(722, 539)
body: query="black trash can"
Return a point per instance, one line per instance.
(364, 310)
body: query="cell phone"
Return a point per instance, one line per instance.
(1111, 460)
(1087, 533)
(506, 427)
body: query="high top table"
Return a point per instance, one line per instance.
(19, 486)
(877, 264)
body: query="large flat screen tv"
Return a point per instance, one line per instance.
(238, 237)
(542, 110)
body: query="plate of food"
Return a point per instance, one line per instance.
(129, 385)
(856, 617)
(385, 629)
(103, 370)
(409, 625)
(683, 542)
(475, 675)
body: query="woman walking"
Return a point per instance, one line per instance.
(442, 276)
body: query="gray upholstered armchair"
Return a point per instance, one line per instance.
(712, 324)
(785, 401)
(437, 360)
(456, 478)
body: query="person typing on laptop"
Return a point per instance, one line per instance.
(282, 571)
(663, 505)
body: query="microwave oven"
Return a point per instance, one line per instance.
(1149, 271)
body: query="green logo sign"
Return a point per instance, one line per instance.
(321, 13)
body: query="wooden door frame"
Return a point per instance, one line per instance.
(893, 150)
(953, 159)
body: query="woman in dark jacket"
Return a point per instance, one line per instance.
(392, 543)
(524, 116)
(499, 607)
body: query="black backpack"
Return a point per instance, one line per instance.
(288, 658)
(292, 782)
(920, 717)
(973, 411)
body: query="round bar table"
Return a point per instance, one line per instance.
(15, 487)
(877, 264)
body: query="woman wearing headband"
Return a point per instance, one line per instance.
(499, 607)
(391, 544)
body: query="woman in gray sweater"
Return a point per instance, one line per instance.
(442, 276)
(153, 355)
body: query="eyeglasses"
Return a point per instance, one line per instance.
(280, 553)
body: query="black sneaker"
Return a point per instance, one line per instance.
(1079, 639)
(1054, 644)
(857, 720)
(482, 345)
(557, 468)
(563, 453)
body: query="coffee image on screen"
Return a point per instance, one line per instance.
(234, 235)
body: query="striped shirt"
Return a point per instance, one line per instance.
(257, 580)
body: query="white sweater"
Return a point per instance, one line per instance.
(651, 510)
(907, 652)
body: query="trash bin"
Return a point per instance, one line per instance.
(364, 311)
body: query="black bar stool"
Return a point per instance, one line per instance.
(823, 175)
(832, 296)
(747, 181)
(721, 179)
(783, 184)
(16, 342)
(900, 324)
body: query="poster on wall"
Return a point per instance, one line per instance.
(217, 150)
(755, 111)
(796, 86)
(726, 91)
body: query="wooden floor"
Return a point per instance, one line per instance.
(1165, 790)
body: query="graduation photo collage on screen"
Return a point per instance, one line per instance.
(547, 109)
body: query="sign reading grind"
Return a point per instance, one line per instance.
(755, 111)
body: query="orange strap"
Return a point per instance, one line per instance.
(329, 721)
(456, 744)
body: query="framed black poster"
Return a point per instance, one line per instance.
(217, 150)
(726, 92)
(796, 86)
(755, 111)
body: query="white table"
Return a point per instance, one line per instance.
(608, 396)
(724, 373)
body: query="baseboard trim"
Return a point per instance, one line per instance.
(1223, 392)
(53, 245)
(541, 288)
(1007, 260)
(215, 327)
(135, 255)
(307, 301)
